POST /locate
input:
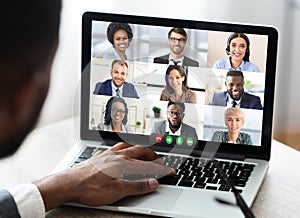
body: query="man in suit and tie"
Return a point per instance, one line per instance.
(177, 41)
(235, 95)
(174, 125)
(117, 86)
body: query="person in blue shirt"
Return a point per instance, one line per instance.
(238, 51)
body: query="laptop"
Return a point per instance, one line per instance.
(206, 43)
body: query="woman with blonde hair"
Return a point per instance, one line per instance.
(234, 120)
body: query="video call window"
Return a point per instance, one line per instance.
(147, 84)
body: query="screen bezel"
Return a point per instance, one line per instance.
(260, 152)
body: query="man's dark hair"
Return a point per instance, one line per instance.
(178, 30)
(235, 73)
(180, 104)
(28, 40)
(29, 36)
(28, 25)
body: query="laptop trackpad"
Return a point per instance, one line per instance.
(181, 203)
(169, 197)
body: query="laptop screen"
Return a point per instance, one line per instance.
(177, 83)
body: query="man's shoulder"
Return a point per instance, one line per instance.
(250, 96)
(160, 123)
(162, 59)
(128, 84)
(102, 87)
(190, 61)
(105, 83)
(186, 126)
(220, 94)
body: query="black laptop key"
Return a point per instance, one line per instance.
(211, 180)
(184, 172)
(245, 174)
(224, 188)
(211, 187)
(169, 180)
(186, 183)
(200, 185)
(241, 183)
(88, 152)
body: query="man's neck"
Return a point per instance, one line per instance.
(176, 57)
(174, 129)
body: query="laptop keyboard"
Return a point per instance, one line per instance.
(193, 172)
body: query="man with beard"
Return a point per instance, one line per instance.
(174, 125)
(27, 50)
(117, 85)
(177, 41)
(235, 96)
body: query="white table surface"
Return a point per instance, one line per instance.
(279, 195)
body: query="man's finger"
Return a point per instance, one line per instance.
(139, 187)
(120, 146)
(139, 152)
(149, 168)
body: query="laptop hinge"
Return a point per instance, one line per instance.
(231, 156)
(209, 155)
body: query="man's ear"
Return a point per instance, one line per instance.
(24, 99)
(16, 108)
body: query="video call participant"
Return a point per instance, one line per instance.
(177, 41)
(24, 87)
(234, 120)
(176, 88)
(115, 118)
(238, 51)
(117, 86)
(235, 96)
(120, 36)
(174, 124)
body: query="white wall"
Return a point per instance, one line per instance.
(66, 68)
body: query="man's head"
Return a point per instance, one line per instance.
(119, 72)
(27, 50)
(177, 40)
(235, 84)
(175, 114)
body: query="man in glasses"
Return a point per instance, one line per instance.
(177, 41)
(174, 125)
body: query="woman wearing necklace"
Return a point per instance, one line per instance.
(234, 120)
(176, 89)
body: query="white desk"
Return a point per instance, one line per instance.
(279, 195)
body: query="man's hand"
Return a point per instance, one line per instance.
(99, 180)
